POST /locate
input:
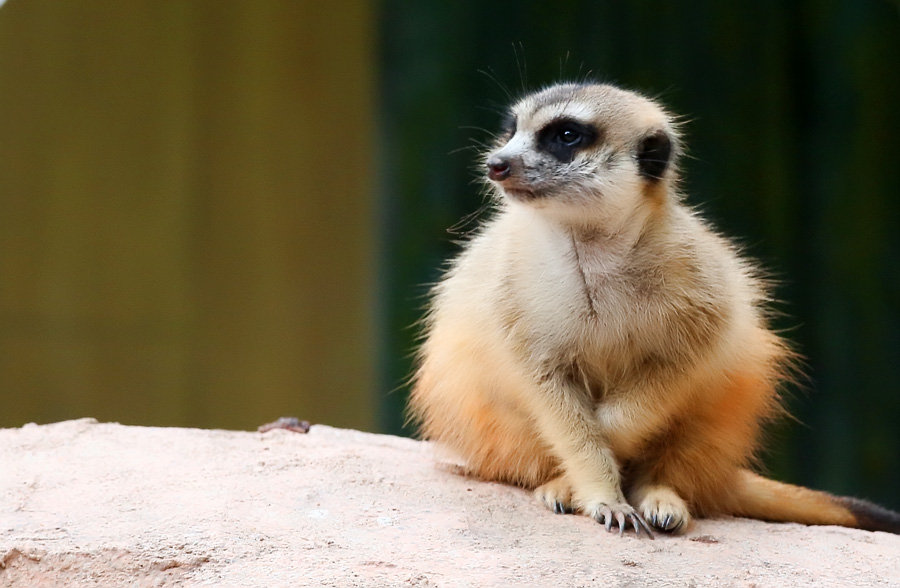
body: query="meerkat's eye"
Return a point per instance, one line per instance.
(569, 137)
(563, 137)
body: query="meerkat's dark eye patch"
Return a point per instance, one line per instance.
(653, 155)
(563, 137)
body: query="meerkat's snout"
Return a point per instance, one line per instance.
(499, 168)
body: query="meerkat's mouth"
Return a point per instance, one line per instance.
(519, 190)
(520, 193)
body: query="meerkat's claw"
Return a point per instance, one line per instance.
(604, 516)
(669, 524)
(640, 524)
(665, 510)
(621, 517)
(556, 495)
(561, 508)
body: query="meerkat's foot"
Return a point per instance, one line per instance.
(621, 514)
(618, 513)
(663, 508)
(556, 495)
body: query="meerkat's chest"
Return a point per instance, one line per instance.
(565, 296)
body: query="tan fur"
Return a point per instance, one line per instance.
(598, 343)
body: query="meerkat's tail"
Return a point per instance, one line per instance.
(760, 498)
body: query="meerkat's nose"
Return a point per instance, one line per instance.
(498, 169)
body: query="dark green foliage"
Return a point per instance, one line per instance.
(792, 112)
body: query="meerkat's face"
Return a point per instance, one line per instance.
(583, 150)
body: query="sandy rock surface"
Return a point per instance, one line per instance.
(89, 504)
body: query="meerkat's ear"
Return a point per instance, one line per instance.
(654, 154)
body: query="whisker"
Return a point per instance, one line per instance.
(489, 74)
(521, 66)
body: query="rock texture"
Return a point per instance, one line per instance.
(90, 504)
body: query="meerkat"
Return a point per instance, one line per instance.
(597, 342)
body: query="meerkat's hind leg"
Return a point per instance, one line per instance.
(663, 507)
(556, 495)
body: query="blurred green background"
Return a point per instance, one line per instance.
(214, 213)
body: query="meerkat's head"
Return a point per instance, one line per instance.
(584, 152)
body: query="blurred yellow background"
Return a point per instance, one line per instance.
(187, 225)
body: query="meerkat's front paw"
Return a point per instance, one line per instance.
(556, 495)
(663, 508)
(621, 514)
(609, 512)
